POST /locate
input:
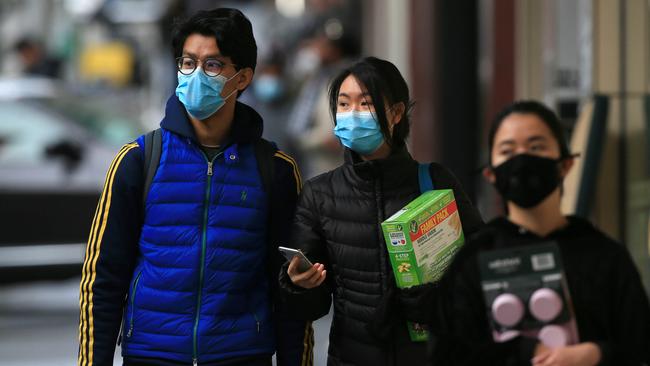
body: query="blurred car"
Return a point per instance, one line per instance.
(52, 169)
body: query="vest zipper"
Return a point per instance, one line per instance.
(204, 239)
(135, 290)
(257, 321)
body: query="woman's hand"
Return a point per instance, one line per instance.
(582, 354)
(311, 278)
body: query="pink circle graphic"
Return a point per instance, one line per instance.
(507, 309)
(545, 304)
(553, 336)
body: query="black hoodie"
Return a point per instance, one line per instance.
(610, 304)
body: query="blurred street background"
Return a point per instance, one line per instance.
(80, 78)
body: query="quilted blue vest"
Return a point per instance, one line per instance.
(200, 287)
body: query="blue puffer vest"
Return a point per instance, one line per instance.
(200, 288)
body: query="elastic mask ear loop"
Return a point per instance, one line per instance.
(229, 95)
(234, 91)
(232, 77)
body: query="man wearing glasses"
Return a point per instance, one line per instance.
(188, 269)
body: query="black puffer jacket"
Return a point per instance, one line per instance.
(338, 224)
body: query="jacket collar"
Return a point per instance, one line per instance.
(247, 125)
(392, 170)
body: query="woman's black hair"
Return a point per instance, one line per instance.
(384, 83)
(232, 30)
(538, 109)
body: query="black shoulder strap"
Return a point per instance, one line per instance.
(152, 149)
(264, 152)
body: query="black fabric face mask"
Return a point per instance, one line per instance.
(526, 180)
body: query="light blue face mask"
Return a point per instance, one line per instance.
(201, 94)
(268, 88)
(358, 131)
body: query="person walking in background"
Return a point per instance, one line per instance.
(339, 215)
(529, 158)
(188, 270)
(271, 96)
(35, 60)
(321, 56)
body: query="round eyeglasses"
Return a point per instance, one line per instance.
(210, 66)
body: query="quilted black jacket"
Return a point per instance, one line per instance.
(337, 223)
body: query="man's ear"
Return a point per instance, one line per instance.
(244, 78)
(488, 174)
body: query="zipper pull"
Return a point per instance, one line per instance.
(130, 332)
(195, 361)
(258, 327)
(209, 168)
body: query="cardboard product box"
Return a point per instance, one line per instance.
(422, 238)
(526, 294)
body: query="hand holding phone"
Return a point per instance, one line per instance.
(301, 271)
(289, 253)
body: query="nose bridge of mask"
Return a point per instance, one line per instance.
(220, 79)
(358, 119)
(519, 156)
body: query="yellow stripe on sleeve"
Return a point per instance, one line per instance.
(294, 165)
(308, 346)
(86, 325)
(83, 325)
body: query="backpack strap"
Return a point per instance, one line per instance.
(424, 177)
(152, 151)
(264, 152)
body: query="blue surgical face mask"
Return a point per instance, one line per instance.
(268, 88)
(201, 94)
(358, 131)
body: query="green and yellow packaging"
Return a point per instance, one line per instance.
(422, 238)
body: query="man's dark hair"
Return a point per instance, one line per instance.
(535, 108)
(232, 30)
(384, 84)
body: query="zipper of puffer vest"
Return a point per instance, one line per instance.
(257, 321)
(204, 239)
(135, 290)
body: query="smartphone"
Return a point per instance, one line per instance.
(289, 253)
